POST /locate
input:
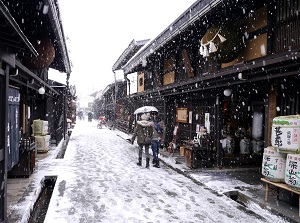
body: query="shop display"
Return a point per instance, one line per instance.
(257, 147)
(228, 145)
(292, 171)
(285, 133)
(273, 164)
(42, 143)
(39, 127)
(245, 146)
(40, 131)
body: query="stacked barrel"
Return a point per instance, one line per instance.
(40, 132)
(281, 161)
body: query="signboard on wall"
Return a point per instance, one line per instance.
(140, 82)
(182, 115)
(133, 83)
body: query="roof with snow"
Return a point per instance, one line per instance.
(128, 53)
(24, 21)
(192, 14)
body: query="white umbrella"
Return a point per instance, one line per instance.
(145, 109)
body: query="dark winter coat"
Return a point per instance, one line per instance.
(143, 128)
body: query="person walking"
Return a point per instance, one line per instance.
(143, 132)
(157, 134)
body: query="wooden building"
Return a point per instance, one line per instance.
(225, 67)
(31, 41)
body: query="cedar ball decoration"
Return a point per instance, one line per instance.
(46, 52)
(223, 43)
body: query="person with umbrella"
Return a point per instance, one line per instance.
(143, 132)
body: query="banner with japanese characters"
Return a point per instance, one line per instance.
(285, 133)
(292, 170)
(273, 165)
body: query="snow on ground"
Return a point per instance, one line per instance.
(98, 181)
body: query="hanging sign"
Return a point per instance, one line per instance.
(207, 122)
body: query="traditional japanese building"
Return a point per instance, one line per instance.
(32, 41)
(219, 74)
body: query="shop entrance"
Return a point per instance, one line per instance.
(243, 128)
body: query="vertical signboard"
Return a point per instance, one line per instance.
(13, 127)
(133, 83)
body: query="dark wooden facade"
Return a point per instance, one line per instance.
(24, 67)
(260, 66)
(116, 112)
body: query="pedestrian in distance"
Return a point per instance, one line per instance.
(157, 134)
(143, 132)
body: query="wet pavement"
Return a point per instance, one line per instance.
(244, 181)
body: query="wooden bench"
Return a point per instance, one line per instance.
(278, 186)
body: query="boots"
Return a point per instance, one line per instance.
(147, 162)
(139, 163)
(157, 164)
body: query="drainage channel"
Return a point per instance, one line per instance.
(243, 200)
(63, 149)
(237, 197)
(41, 206)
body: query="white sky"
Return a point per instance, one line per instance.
(98, 181)
(99, 31)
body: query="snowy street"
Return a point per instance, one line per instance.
(99, 181)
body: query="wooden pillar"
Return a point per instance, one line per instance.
(217, 122)
(271, 113)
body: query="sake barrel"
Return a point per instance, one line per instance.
(257, 147)
(39, 127)
(42, 143)
(285, 133)
(245, 147)
(292, 171)
(273, 164)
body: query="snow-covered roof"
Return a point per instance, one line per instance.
(193, 13)
(130, 51)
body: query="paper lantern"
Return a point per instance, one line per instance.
(227, 92)
(41, 90)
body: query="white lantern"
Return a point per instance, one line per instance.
(41, 90)
(227, 92)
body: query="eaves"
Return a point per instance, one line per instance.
(54, 17)
(192, 14)
(33, 76)
(274, 66)
(128, 53)
(11, 34)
